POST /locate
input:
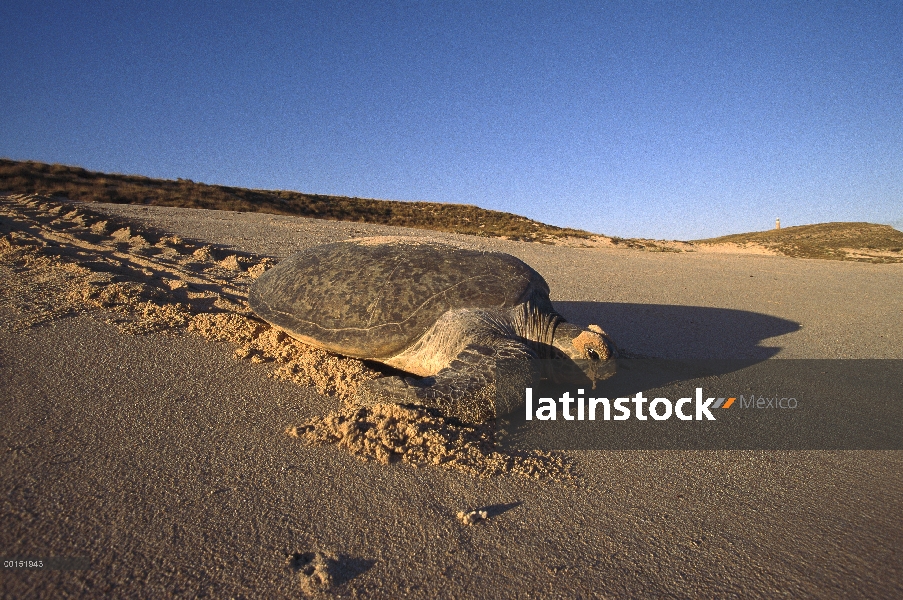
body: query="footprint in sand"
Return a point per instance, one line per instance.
(320, 572)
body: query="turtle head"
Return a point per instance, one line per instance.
(591, 346)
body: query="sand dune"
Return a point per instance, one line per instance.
(156, 427)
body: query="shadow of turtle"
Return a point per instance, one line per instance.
(657, 345)
(681, 332)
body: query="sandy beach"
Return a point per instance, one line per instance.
(145, 419)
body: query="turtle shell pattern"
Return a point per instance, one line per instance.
(370, 299)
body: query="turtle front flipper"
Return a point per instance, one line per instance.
(464, 390)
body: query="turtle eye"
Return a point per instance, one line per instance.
(592, 354)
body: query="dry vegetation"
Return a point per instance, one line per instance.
(836, 241)
(865, 242)
(75, 183)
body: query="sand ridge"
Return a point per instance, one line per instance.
(58, 260)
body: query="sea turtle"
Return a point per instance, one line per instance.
(442, 313)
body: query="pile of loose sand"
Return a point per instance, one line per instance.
(316, 571)
(259, 342)
(420, 437)
(58, 260)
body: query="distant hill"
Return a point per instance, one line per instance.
(75, 183)
(837, 241)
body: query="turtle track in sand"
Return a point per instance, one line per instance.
(59, 259)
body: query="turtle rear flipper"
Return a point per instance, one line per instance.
(464, 390)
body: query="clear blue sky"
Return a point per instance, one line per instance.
(659, 119)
